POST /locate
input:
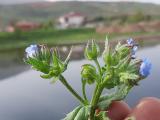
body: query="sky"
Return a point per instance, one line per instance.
(24, 1)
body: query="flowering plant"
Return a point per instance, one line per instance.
(121, 71)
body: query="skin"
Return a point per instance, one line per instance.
(147, 109)
(118, 110)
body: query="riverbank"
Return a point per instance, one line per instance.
(19, 39)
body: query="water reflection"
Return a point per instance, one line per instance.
(11, 62)
(26, 96)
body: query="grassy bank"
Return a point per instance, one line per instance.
(54, 37)
(22, 39)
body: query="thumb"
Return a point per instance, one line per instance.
(118, 110)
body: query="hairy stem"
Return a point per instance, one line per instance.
(84, 90)
(97, 92)
(98, 65)
(74, 93)
(95, 99)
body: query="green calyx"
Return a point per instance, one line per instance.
(57, 67)
(89, 73)
(40, 59)
(92, 51)
(48, 62)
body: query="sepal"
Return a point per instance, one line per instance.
(92, 51)
(38, 65)
(123, 50)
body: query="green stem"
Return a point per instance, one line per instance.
(98, 65)
(97, 92)
(95, 99)
(74, 93)
(84, 90)
(92, 105)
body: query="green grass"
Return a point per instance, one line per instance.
(52, 37)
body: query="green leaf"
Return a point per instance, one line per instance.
(104, 104)
(79, 113)
(128, 78)
(83, 114)
(120, 94)
(72, 115)
(127, 75)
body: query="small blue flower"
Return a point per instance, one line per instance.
(134, 50)
(130, 42)
(145, 68)
(31, 50)
(134, 46)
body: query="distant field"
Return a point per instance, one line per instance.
(43, 11)
(16, 40)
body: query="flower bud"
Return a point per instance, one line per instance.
(122, 50)
(133, 51)
(58, 66)
(92, 51)
(88, 73)
(130, 42)
(107, 57)
(133, 46)
(37, 59)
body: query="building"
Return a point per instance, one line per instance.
(71, 20)
(9, 29)
(27, 26)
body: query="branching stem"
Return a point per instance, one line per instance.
(74, 93)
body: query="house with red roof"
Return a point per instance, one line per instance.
(71, 20)
(27, 25)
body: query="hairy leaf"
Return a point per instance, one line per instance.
(79, 113)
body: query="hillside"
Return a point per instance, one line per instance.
(41, 11)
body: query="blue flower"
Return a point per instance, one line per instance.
(31, 50)
(133, 52)
(130, 42)
(134, 46)
(145, 68)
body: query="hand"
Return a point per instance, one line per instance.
(147, 109)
